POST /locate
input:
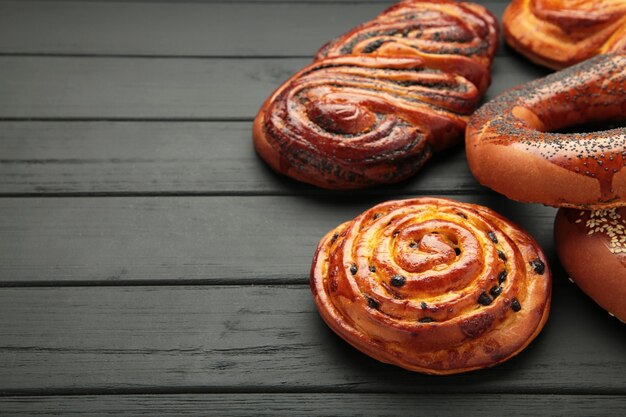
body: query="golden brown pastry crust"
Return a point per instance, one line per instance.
(432, 285)
(358, 121)
(560, 33)
(592, 248)
(511, 150)
(376, 115)
(455, 37)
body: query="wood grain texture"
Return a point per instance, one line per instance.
(164, 89)
(108, 106)
(170, 158)
(150, 157)
(263, 338)
(181, 239)
(181, 29)
(288, 405)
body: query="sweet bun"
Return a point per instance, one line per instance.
(381, 99)
(511, 148)
(591, 245)
(461, 38)
(432, 285)
(560, 33)
(357, 121)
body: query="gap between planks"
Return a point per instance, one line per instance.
(262, 338)
(315, 404)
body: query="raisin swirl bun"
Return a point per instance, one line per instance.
(560, 33)
(457, 37)
(510, 147)
(432, 285)
(357, 121)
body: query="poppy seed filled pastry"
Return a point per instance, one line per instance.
(560, 33)
(381, 99)
(512, 147)
(357, 121)
(432, 285)
(456, 37)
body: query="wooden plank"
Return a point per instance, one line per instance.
(148, 157)
(123, 88)
(268, 404)
(263, 338)
(159, 158)
(164, 89)
(190, 239)
(180, 29)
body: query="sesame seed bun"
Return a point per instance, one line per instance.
(592, 248)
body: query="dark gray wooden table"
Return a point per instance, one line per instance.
(151, 264)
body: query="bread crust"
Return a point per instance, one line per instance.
(589, 246)
(510, 147)
(561, 33)
(379, 100)
(457, 37)
(347, 123)
(419, 284)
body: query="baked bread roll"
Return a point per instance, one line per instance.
(560, 33)
(591, 245)
(456, 37)
(357, 121)
(432, 285)
(510, 147)
(381, 99)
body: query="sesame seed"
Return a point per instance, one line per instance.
(609, 223)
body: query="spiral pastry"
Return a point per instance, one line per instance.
(432, 285)
(457, 37)
(358, 121)
(560, 33)
(378, 101)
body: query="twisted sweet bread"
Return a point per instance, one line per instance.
(510, 147)
(456, 37)
(560, 33)
(375, 116)
(357, 121)
(432, 285)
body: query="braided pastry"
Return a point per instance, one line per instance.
(369, 118)
(560, 33)
(356, 121)
(511, 150)
(456, 37)
(432, 285)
